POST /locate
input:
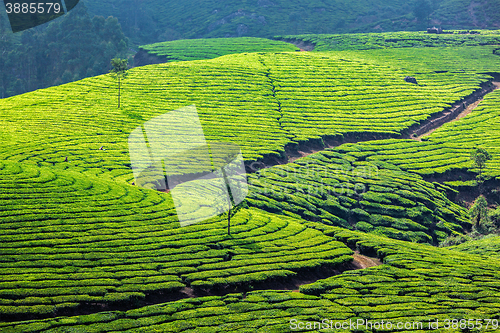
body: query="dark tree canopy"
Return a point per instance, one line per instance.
(70, 48)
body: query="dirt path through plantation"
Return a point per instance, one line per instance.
(359, 261)
(456, 111)
(462, 114)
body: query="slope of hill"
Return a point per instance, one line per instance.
(266, 102)
(400, 39)
(72, 242)
(446, 149)
(75, 243)
(345, 191)
(77, 238)
(197, 49)
(151, 21)
(417, 285)
(488, 246)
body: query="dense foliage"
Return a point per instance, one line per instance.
(368, 41)
(70, 48)
(149, 21)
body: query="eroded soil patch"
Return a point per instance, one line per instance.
(302, 45)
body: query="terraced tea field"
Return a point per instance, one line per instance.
(359, 97)
(341, 190)
(447, 148)
(400, 39)
(197, 49)
(261, 102)
(69, 241)
(82, 249)
(489, 246)
(416, 284)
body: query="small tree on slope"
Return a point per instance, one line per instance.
(479, 156)
(119, 72)
(479, 210)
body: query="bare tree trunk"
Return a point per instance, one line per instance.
(119, 88)
(480, 182)
(229, 221)
(229, 201)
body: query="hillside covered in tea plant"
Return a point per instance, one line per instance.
(346, 215)
(264, 102)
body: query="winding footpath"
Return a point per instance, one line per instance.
(464, 111)
(456, 111)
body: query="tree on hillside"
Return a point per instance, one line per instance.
(230, 199)
(494, 216)
(119, 72)
(479, 210)
(480, 156)
(232, 180)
